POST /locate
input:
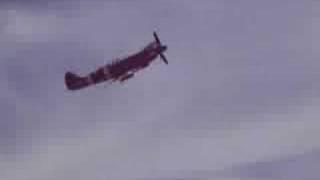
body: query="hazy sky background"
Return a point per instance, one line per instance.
(240, 98)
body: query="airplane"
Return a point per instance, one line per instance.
(120, 69)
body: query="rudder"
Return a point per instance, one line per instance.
(71, 80)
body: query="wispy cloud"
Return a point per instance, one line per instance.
(300, 166)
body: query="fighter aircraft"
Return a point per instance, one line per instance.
(120, 69)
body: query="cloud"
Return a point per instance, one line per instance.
(23, 26)
(300, 166)
(239, 81)
(37, 5)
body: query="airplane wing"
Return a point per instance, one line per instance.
(126, 77)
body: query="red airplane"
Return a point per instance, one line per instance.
(121, 69)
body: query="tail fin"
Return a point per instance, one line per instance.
(72, 80)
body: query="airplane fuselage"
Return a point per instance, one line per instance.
(121, 69)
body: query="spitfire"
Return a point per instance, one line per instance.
(121, 69)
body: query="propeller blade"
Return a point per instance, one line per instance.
(156, 37)
(164, 58)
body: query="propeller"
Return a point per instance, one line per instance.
(156, 37)
(163, 57)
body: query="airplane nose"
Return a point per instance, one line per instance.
(164, 48)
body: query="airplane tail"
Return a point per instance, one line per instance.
(72, 80)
